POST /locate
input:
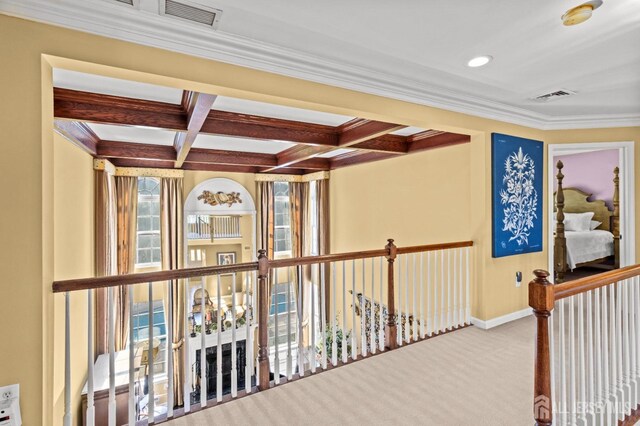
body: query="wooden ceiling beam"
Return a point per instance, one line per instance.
(256, 127)
(394, 144)
(133, 151)
(439, 140)
(297, 154)
(214, 156)
(198, 106)
(107, 109)
(79, 134)
(360, 130)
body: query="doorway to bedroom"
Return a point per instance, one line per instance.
(591, 217)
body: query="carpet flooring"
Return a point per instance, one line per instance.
(469, 377)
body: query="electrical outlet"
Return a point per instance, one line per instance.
(518, 278)
(9, 392)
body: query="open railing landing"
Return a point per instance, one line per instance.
(201, 336)
(587, 365)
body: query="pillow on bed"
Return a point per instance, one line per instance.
(594, 225)
(577, 221)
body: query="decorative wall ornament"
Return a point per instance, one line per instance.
(220, 198)
(517, 192)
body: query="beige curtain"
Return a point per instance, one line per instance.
(322, 209)
(127, 214)
(266, 200)
(301, 238)
(105, 250)
(171, 229)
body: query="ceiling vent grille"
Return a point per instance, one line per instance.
(129, 2)
(191, 12)
(562, 93)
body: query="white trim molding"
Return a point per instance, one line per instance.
(494, 322)
(150, 29)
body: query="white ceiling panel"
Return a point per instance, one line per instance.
(113, 86)
(241, 144)
(135, 134)
(335, 153)
(278, 111)
(407, 131)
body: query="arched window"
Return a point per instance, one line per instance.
(148, 228)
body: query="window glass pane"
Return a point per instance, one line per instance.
(157, 257)
(144, 208)
(148, 221)
(144, 224)
(155, 220)
(144, 256)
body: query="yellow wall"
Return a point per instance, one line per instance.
(29, 50)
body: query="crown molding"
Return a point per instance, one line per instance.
(149, 29)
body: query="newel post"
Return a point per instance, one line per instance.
(263, 319)
(541, 299)
(391, 331)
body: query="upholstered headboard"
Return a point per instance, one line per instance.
(575, 201)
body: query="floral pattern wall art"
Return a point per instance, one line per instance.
(517, 194)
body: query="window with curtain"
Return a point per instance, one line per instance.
(148, 224)
(279, 308)
(282, 225)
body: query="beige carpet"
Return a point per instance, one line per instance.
(469, 377)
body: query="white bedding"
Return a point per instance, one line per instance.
(587, 246)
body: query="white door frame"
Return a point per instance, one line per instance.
(627, 193)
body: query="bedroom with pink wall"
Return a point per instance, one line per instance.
(591, 172)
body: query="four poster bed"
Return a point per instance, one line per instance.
(586, 232)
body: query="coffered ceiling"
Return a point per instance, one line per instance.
(410, 50)
(142, 125)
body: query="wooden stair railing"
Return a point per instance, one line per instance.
(427, 272)
(598, 342)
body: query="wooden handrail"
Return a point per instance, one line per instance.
(176, 274)
(583, 285)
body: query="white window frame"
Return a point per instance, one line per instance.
(152, 198)
(284, 253)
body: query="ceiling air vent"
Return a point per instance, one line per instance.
(562, 93)
(133, 3)
(190, 11)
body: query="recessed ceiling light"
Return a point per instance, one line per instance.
(581, 13)
(479, 61)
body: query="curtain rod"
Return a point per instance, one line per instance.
(106, 165)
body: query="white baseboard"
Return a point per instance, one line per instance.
(494, 322)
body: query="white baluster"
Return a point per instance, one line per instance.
(605, 356)
(455, 290)
(203, 344)
(344, 312)
(563, 364)
(613, 335)
(582, 389)
(313, 320)
(429, 276)
(449, 319)
(598, 391)
(572, 361)
(276, 314)
(169, 349)
(372, 311)
(323, 314)
(301, 349)
(406, 298)
(219, 343)
(381, 315)
(248, 368)
(435, 293)
(289, 351)
(398, 298)
(334, 343)
(67, 362)
(468, 293)
(632, 343)
(415, 312)
(443, 307)
(363, 306)
(234, 345)
(591, 373)
(112, 351)
(132, 378)
(188, 368)
(91, 412)
(422, 328)
(461, 319)
(152, 403)
(553, 358)
(354, 341)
